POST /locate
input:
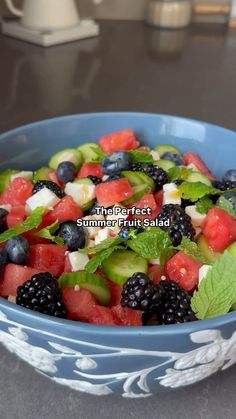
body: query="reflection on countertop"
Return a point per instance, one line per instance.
(131, 66)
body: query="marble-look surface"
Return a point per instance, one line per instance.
(130, 67)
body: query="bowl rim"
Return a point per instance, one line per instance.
(76, 326)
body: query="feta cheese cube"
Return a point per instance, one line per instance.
(171, 195)
(193, 167)
(91, 243)
(12, 299)
(27, 175)
(105, 177)
(43, 198)
(115, 217)
(196, 217)
(78, 260)
(155, 155)
(81, 193)
(203, 271)
(102, 234)
(92, 231)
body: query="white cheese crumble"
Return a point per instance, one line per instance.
(92, 231)
(196, 217)
(78, 260)
(81, 193)
(115, 217)
(203, 271)
(43, 198)
(171, 195)
(155, 155)
(102, 234)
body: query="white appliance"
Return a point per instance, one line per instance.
(49, 22)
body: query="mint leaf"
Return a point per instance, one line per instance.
(178, 173)
(33, 221)
(97, 260)
(166, 254)
(150, 244)
(204, 205)
(141, 156)
(99, 154)
(105, 244)
(217, 291)
(47, 233)
(196, 190)
(226, 205)
(191, 249)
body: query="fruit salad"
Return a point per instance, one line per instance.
(115, 233)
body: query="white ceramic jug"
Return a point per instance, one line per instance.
(46, 14)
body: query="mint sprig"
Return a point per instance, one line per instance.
(204, 205)
(227, 206)
(105, 244)
(48, 233)
(150, 244)
(191, 249)
(178, 173)
(217, 291)
(196, 190)
(141, 156)
(97, 260)
(33, 221)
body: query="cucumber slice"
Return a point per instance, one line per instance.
(165, 148)
(207, 251)
(198, 177)
(139, 178)
(91, 152)
(5, 179)
(232, 250)
(139, 191)
(91, 282)
(68, 154)
(164, 164)
(86, 181)
(42, 174)
(122, 264)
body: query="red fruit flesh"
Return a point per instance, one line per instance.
(184, 270)
(90, 169)
(110, 193)
(16, 215)
(154, 273)
(125, 316)
(102, 316)
(147, 201)
(192, 158)
(219, 229)
(47, 258)
(79, 304)
(17, 193)
(119, 141)
(65, 210)
(14, 276)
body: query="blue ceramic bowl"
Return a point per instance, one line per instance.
(133, 362)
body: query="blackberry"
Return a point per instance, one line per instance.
(175, 306)
(96, 180)
(49, 185)
(223, 185)
(179, 223)
(140, 293)
(42, 294)
(156, 173)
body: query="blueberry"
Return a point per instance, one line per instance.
(231, 197)
(3, 220)
(18, 250)
(74, 237)
(66, 171)
(230, 175)
(116, 162)
(3, 258)
(176, 158)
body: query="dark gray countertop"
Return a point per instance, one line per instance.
(129, 67)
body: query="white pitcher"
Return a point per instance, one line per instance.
(46, 14)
